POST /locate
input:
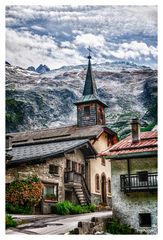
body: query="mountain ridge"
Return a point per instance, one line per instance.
(47, 99)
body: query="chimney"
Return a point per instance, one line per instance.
(135, 127)
(8, 142)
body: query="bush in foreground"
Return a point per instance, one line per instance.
(22, 195)
(10, 222)
(115, 227)
(66, 207)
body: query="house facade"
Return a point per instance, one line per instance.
(134, 179)
(66, 159)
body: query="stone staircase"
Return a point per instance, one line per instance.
(80, 194)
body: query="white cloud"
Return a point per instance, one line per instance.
(38, 28)
(26, 49)
(68, 29)
(133, 50)
(89, 39)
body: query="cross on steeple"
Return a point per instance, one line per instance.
(89, 49)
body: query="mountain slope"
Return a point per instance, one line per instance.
(46, 100)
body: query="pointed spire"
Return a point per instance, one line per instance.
(90, 85)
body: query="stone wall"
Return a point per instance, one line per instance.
(97, 199)
(128, 206)
(42, 171)
(96, 225)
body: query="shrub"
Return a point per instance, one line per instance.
(62, 208)
(117, 228)
(23, 195)
(10, 208)
(92, 207)
(66, 207)
(10, 222)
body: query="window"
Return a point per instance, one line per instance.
(143, 176)
(101, 114)
(79, 167)
(82, 169)
(109, 185)
(97, 183)
(87, 111)
(144, 219)
(51, 191)
(68, 165)
(74, 166)
(103, 161)
(53, 169)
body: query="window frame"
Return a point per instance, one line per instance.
(68, 165)
(103, 161)
(97, 182)
(145, 215)
(46, 195)
(53, 168)
(143, 176)
(109, 185)
(87, 111)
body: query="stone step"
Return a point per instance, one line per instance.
(81, 195)
(77, 192)
(78, 189)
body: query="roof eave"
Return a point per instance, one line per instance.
(132, 155)
(40, 159)
(88, 101)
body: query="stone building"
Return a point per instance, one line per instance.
(66, 159)
(134, 179)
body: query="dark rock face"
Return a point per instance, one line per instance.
(47, 99)
(31, 68)
(42, 69)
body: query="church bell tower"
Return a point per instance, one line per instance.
(90, 109)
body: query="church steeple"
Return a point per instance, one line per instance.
(90, 109)
(90, 85)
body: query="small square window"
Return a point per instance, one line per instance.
(53, 169)
(145, 219)
(87, 111)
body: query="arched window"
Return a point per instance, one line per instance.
(97, 183)
(109, 185)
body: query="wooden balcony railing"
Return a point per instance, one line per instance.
(135, 182)
(72, 177)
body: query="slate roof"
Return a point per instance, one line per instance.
(26, 153)
(59, 134)
(90, 85)
(147, 144)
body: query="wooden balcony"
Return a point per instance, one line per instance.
(72, 177)
(138, 182)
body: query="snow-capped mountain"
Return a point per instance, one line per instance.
(35, 101)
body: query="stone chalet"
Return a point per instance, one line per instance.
(134, 179)
(66, 158)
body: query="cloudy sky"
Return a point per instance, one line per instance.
(60, 35)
